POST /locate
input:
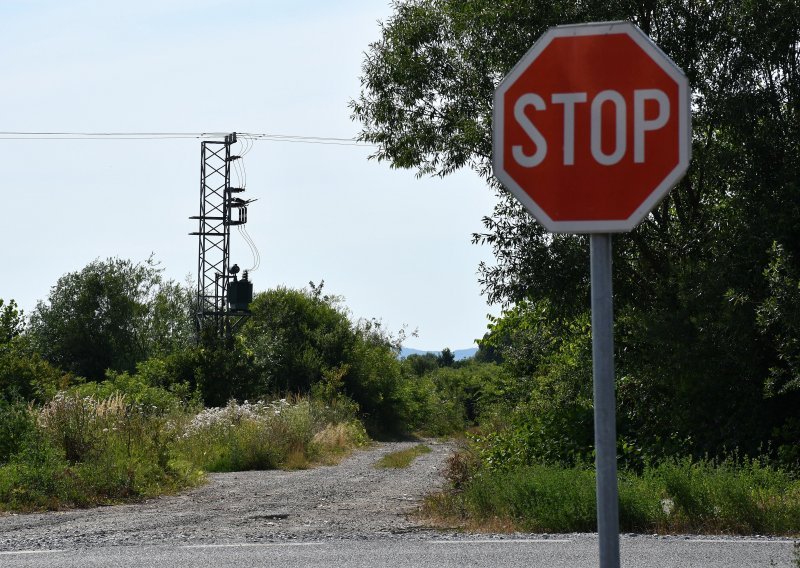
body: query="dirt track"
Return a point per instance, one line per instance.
(349, 501)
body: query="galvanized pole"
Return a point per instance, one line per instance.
(605, 427)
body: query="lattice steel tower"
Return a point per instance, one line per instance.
(222, 299)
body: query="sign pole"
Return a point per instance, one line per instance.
(605, 428)
(553, 114)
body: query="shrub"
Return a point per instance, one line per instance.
(295, 335)
(114, 449)
(16, 425)
(300, 338)
(136, 391)
(25, 374)
(38, 477)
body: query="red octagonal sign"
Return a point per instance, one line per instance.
(592, 128)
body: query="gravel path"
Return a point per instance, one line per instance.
(352, 500)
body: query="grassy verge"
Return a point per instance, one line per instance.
(681, 496)
(79, 451)
(403, 458)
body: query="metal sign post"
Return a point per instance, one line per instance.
(605, 420)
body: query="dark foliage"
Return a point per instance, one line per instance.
(706, 288)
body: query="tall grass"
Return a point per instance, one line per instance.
(268, 435)
(82, 451)
(402, 458)
(732, 497)
(79, 450)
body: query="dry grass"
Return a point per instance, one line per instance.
(403, 458)
(337, 441)
(296, 459)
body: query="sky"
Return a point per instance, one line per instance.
(394, 246)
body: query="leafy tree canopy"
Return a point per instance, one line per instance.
(12, 321)
(705, 287)
(110, 315)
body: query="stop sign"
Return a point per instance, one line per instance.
(592, 128)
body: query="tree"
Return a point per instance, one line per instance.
(12, 321)
(421, 364)
(303, 341)
(695, 279)
(25, 375)
(296, 336)
(169, 324)
(446, 358)
(109, 315)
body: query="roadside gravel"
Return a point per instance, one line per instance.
(353, 500)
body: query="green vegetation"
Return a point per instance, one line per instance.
(706, 289)
(253, 436)
(402, 458)
(78, 450)
(675, 496)
(105, 396)
(111, 315)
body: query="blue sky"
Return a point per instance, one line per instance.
(396, 247)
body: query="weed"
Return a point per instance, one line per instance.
(461, 466)
(737, 497)
(82, 451)
(335, 441)
(402, 458)
(267, 435)
(78, 450)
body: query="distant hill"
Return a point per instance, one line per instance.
(459, 353)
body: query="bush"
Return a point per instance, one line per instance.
(16, 425)
(25, 374)
(213, 373)
(138, 391)
(296, 335)
(545, 413)
(299, 339)
(38, 477)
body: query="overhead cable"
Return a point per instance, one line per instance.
(249, 136)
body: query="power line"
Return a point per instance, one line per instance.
(109, 135)
(263, 137)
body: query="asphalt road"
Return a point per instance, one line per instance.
(557, 551)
